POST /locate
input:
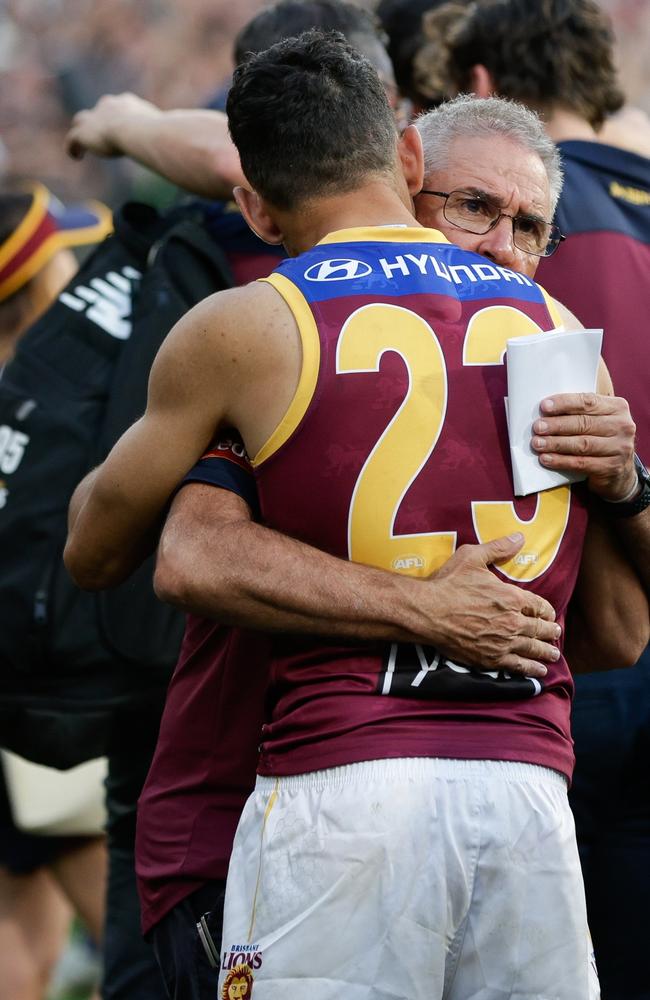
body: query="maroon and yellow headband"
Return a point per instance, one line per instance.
(47, 227)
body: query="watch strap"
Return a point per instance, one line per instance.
(630, 508)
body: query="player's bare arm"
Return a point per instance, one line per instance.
(191, 148)
(204, 364)
(634, 533)
(213, 560)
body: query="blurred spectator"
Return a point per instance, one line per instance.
(192, 148)
(37, 234)
(402, 22)
(57, 56)
(631, 23)
(61, 55)
(41, 877)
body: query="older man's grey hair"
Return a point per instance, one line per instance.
(467, 116)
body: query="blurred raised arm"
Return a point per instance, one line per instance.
(191, 148)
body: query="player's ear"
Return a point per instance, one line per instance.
(481, 81)
(254, 210)
(412, 159)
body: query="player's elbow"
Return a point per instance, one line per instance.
(87, 574)
(626, 646)
(90, 571)
(636, 643)
(183, 579)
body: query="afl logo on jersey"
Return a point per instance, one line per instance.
(340, 269)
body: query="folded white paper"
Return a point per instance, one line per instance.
(542, 365)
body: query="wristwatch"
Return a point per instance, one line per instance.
(629, 508)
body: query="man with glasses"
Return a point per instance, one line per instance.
(491, 185)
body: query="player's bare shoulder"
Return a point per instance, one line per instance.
(243, 346)
(232, 327)
(239, 321)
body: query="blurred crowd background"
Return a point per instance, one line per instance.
(58, 56)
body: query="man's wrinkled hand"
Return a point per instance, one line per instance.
(484, 622)
(591, 434)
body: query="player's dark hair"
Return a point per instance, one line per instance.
(309, 117)
(544, 53)
(402, 22)
(291, 17)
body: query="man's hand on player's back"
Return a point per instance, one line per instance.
(258, 578)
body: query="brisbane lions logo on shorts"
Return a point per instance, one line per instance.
(238, 984)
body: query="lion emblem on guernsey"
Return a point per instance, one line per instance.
(238, 984)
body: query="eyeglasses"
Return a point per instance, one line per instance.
(476, 214)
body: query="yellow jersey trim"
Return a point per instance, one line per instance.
(309, 369)
(385, 234)
(52, 242)
(55, 241)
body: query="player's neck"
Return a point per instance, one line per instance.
(563, 125)
(376, 204)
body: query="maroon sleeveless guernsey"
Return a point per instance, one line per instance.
(203, 768)
(204, 765)
(394, 452)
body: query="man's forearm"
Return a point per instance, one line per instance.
(278, 584)
(214, 561)
(91, 564)
(190, 148)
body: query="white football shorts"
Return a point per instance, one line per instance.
(408, 879)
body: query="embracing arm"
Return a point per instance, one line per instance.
(214, 561)
(191, 148)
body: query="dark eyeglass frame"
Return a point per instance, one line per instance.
(555, 235)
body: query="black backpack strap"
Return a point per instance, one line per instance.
(138, 226)
(185, 266)
(193, 235)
